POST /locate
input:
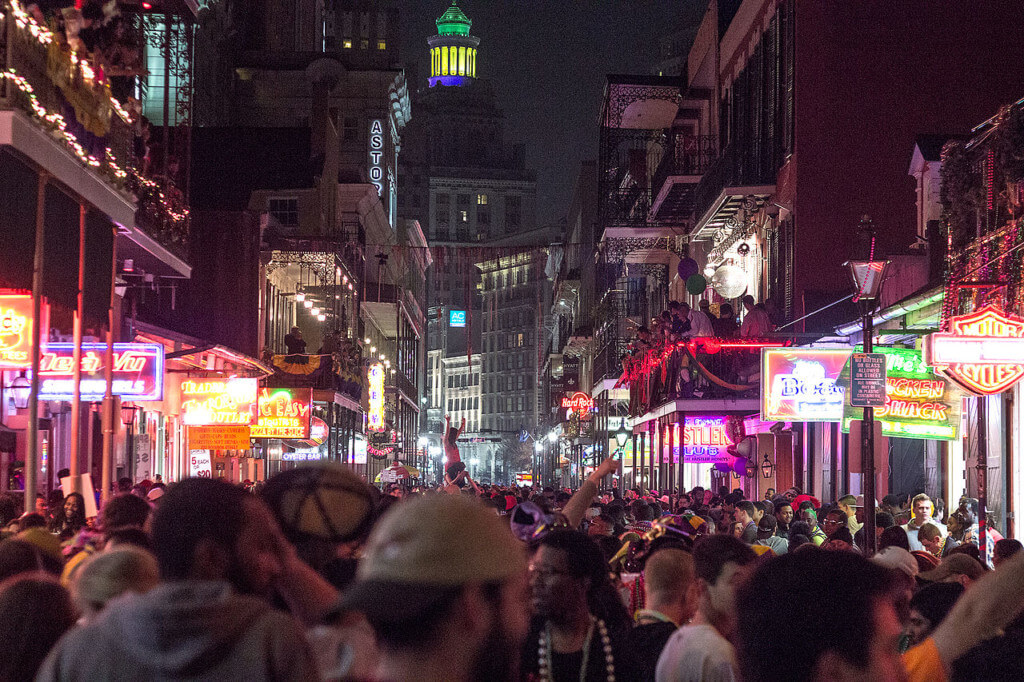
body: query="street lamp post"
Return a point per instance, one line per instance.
(868, 276)
(128, 419)
(621, 436)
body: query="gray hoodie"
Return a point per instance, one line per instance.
(184, 630)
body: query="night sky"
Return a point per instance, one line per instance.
(547, 61)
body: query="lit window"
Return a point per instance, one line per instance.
(481, 199)
(453, 61)
(464, 216)
(382, 45)
(462, 61)
(347, 44)
(444, 62)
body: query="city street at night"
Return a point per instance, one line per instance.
(498, 340)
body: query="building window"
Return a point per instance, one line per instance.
(347, 43)
(462, 61)
(513, 211)
(463, 200)
(464, 216)
(483, 217)
(382, 45)
(519, 339)
(476, 402)
(481, 199)
(350, 128)
(364, 44)
(285, 210)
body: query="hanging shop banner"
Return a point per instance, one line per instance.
(138, 372)
(375, 397)
(220, 402)
(799, 384)
(218, 437)
(919, 403)
(983, 352)
(16, 329)
(283, 413)
(200, 464)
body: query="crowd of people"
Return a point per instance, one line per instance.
(318, 575)
(681, 321)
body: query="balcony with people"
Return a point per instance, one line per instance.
(69, 81)
(697, 355)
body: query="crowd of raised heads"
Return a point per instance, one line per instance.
(316, 575)
(682, 321)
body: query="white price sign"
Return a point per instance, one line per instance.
(200, 465)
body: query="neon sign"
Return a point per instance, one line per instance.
(376, 167)
(918, 402)
(799, 384)
(984, 352)
(578, 402)
(318, 431)
(283, 413)
(704, 440)
(375, 382)
(209, 402)
(138, 371)
(456, 318)
(16, 330)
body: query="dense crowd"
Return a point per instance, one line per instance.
(317, 575)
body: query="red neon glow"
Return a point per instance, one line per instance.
(208, 402)
(979, 350)
(579, 402)
(16, 330)
(283, 413)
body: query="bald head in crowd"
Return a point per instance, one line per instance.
(670, 585)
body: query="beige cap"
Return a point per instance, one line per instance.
(439, 541)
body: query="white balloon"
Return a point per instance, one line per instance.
(729, 281)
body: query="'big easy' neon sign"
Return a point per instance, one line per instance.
(578, 402)
(16, 330)
(376, 167)
(918, 402)
(208, 402)
(799, 384)
(138, 371)
(375, 393)
(983, 352)
(283, 413)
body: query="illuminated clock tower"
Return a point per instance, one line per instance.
(453, 51)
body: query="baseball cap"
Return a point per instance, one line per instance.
(897, 558)
(860, 501)
(424, 549)
(952, 565)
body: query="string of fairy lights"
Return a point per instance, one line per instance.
(58, 124)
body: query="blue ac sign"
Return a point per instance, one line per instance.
(456, 318)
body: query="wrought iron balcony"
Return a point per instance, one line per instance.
(67, 94)
(703, 368)
(687, 157)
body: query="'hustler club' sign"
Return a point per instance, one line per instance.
(137, 373)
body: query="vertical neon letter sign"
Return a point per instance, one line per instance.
(375, 416)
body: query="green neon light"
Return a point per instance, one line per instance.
(453, 22)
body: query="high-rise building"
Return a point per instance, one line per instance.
(469, 190)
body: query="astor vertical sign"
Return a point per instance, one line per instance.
(376, 167)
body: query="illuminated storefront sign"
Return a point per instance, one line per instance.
(16, 330)
(138, 372)
(578, 402)
(704, 440)
(376, 167)
(218, 437)
(918, 402)
(283, 413)
(375, 383)
(303, 455)
(799, 384)
(318, 431)
(456, 318)
(983, 352)
(208, 402)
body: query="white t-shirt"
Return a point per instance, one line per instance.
(697, 653)
(915, 542)
(700, 325)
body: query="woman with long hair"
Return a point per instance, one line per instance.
(69, 517)
(580, 623)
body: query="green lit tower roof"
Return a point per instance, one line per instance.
(453, 22)
(453, 50)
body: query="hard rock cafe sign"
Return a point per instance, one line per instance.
(983, 352)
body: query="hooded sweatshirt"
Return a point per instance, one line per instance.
(184, 630)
